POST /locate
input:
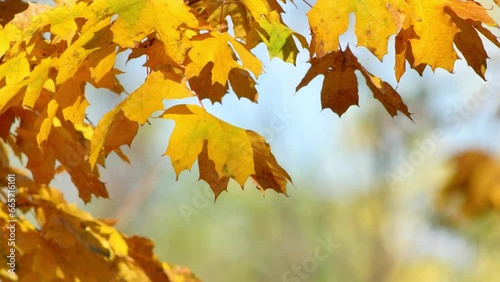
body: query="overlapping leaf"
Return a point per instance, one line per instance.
(242, 83)
(278, 38)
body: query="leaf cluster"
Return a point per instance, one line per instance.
(48, 55)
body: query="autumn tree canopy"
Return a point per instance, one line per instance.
(49, 54)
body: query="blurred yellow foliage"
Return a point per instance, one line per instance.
(474, 186)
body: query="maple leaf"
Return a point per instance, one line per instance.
(215, 48)
(63, 144)
(136, 19)
(73, 57)
(214, 13)
(204, 88)
(403, 52)
(8, 35)
(469, 43)
(340, 86)
(277, 36)
(243, 84)
(157, 57)
(329, 19)
(9, 94)
(39, 79)
(241, 81)
(223, 151)
(135, 109)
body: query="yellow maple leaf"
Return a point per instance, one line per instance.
(102, 61)
(15, 69)
(148, 98)
(8, 34)
(435, 29)
(214, 13)
(136, 108)
(329, 19)
(259, 8)
(215, 48)
(61, 20)
(223, 151)
(136, 19)
(12, 94)
(39, 78)
(277, 36)
(72, 58)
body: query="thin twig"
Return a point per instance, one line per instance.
(307, 3)
(221, 14)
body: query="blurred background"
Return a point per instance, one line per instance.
(374, 198)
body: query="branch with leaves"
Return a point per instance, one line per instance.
(49, 54)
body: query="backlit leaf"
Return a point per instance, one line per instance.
(223, 151)
(340, 85)
(220, 49)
